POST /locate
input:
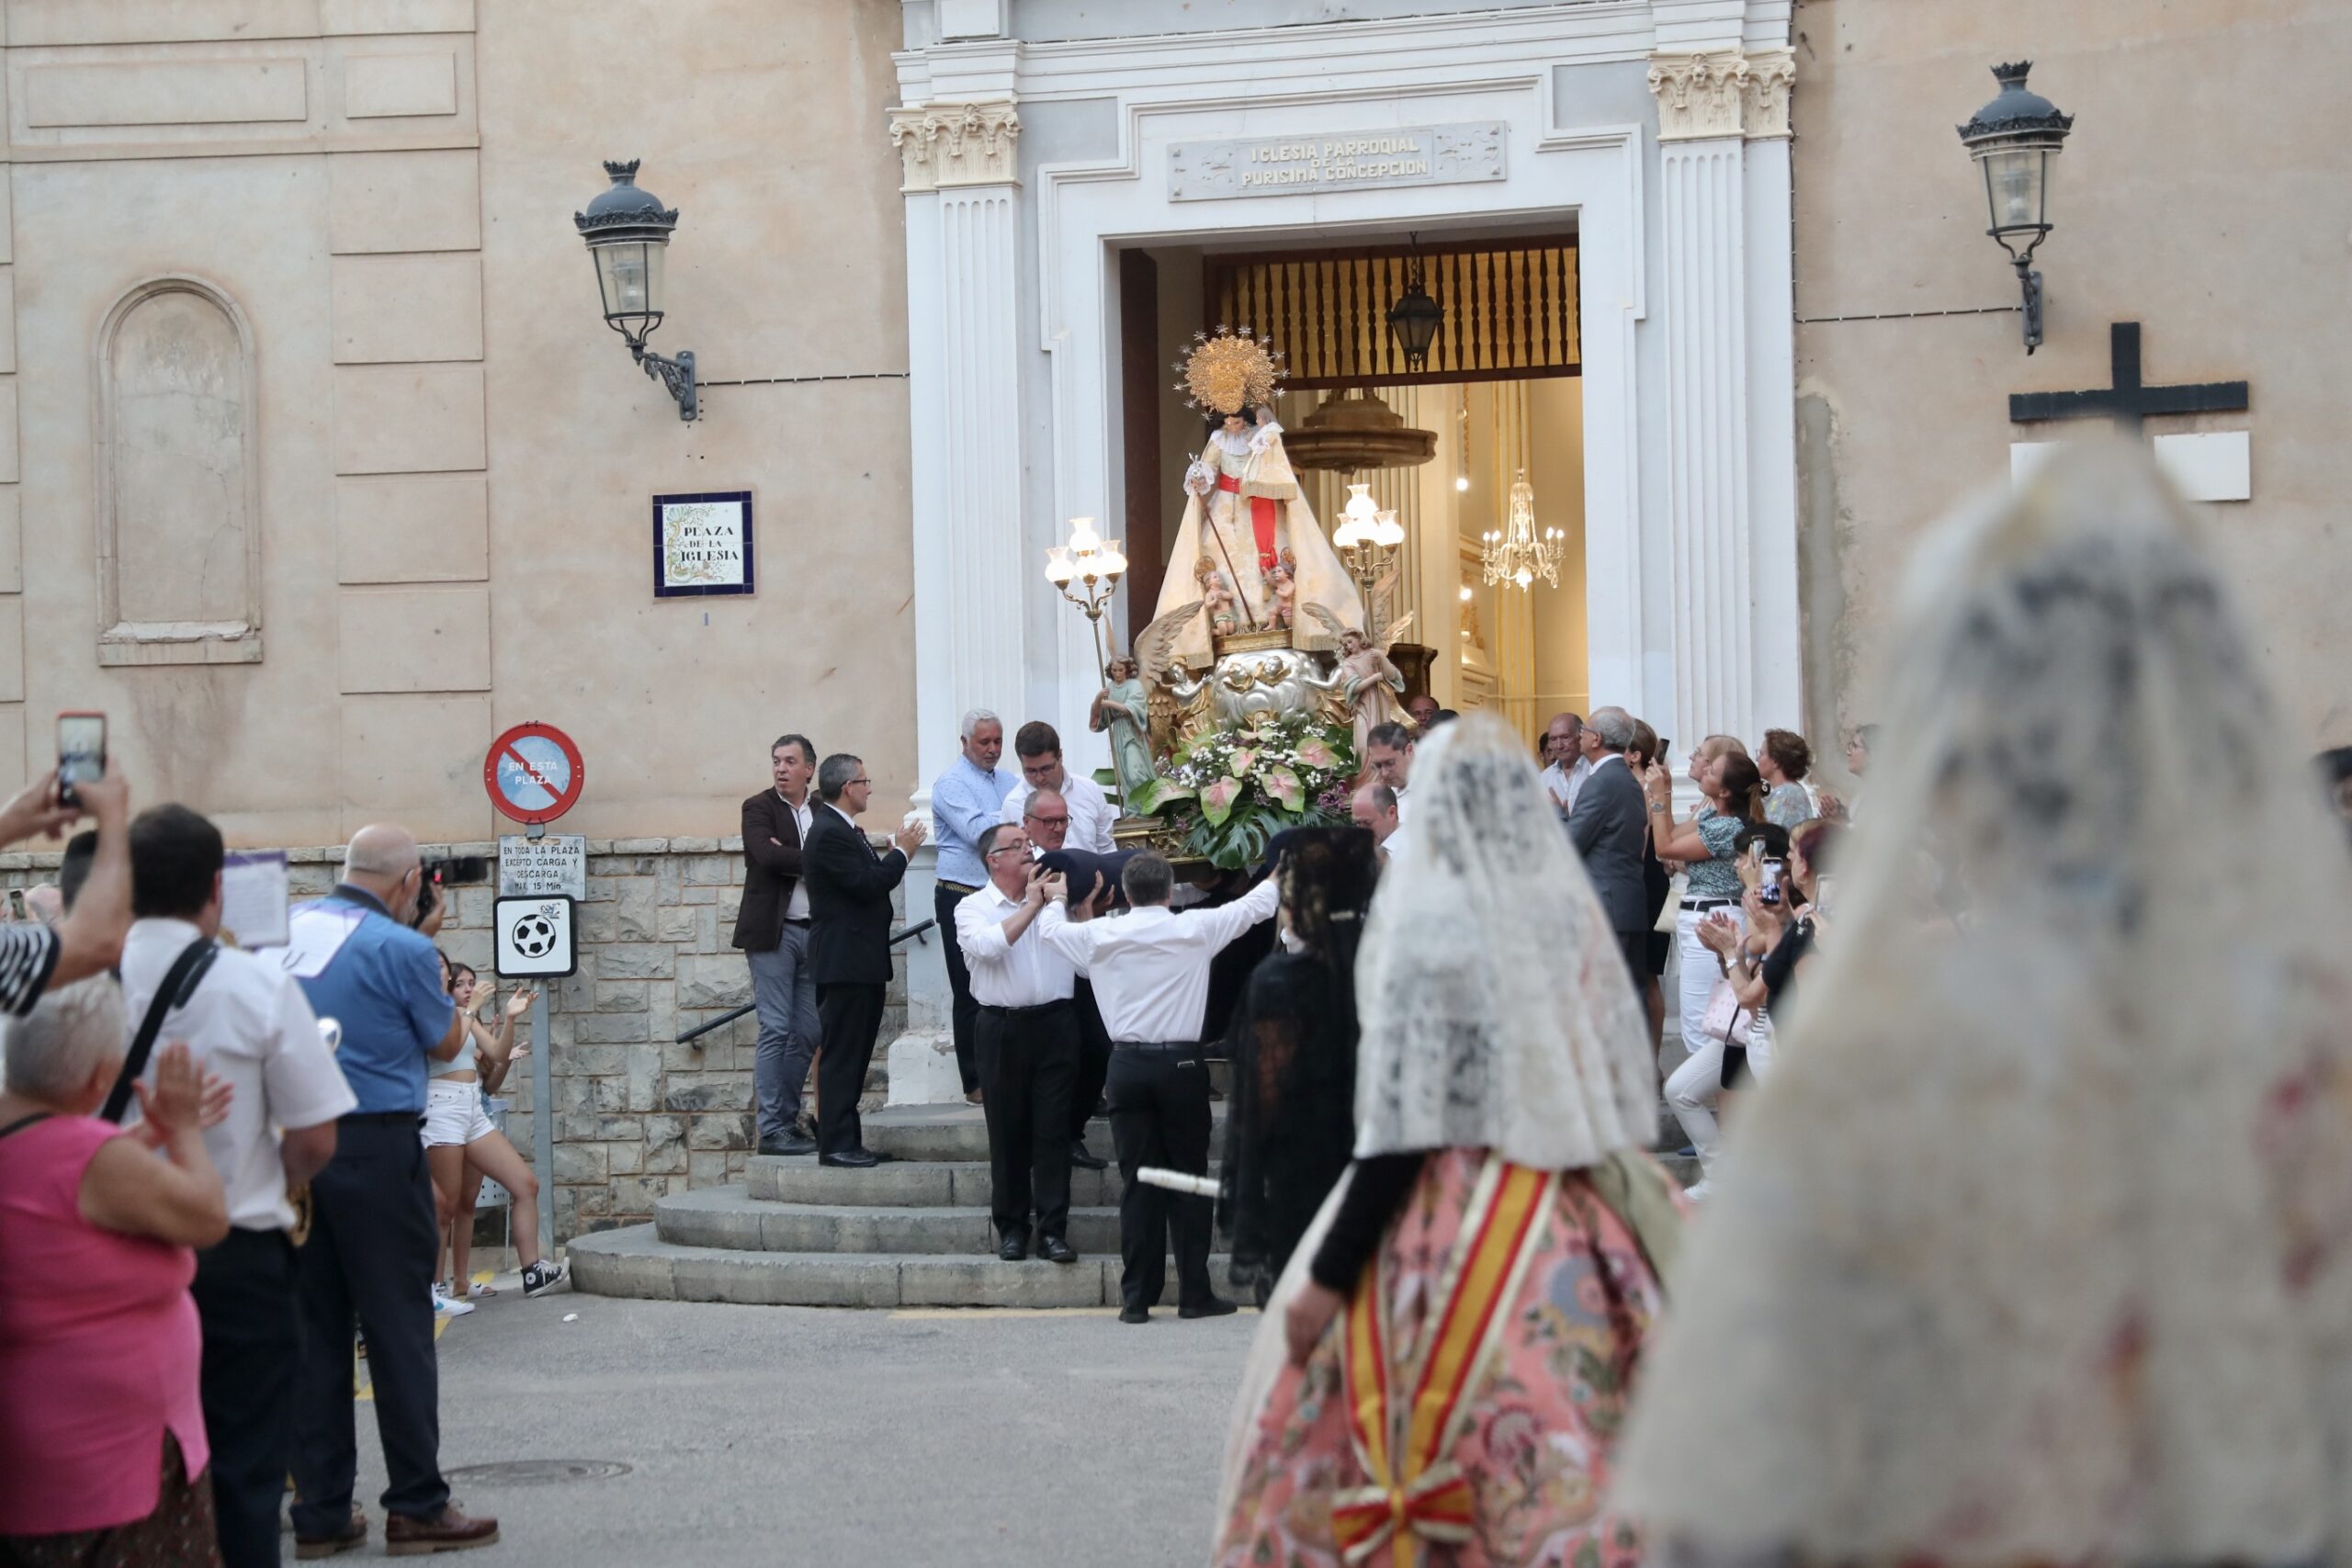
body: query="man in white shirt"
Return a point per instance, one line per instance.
(248, 1024)
(1565, 767)
(1388, 752)
(1039, 747)
(1025, 1041)
(1150, 973)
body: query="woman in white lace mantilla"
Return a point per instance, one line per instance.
(2037, 1246)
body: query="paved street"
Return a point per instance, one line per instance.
(767, 1435)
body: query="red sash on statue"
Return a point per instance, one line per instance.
(1416, 1494)
(1261, 520)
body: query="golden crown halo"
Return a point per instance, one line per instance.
(1229, 371)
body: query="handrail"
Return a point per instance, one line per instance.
(699, 1030)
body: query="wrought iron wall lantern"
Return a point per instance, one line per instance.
(2013, 139)
(627, 230)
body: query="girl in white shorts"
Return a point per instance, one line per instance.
(458, 1138)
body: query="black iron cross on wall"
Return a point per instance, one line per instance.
(2127, 402)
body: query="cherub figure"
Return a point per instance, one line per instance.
(1282, 583)
(1217, 595)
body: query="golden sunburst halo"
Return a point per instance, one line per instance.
(1230, 371)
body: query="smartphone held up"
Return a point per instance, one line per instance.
(81, 752)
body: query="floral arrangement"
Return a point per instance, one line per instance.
(1235, 789)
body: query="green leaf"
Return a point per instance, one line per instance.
(1216, 801)
(1156, 794)
(1283, 784)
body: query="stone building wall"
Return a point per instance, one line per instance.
(638, 1114)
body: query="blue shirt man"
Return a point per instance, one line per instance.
(382, 982)
(964, 802)
(968, 798)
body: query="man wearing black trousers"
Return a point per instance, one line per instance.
(247, 1023)
(374, 1233)
(1150, 970)
(1025, 1042)
(849, 949)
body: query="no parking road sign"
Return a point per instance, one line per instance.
(534, 772)
(534, 938)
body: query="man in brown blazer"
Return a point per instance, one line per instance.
(772, 928)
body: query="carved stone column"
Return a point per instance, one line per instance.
(1730, 480)
(961, 182)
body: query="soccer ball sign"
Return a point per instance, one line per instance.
(535, 937)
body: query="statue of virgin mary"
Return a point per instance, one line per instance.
(1245, 522)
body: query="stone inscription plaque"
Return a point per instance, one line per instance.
(1355, 160)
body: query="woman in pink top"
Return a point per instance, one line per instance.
(102, 1447)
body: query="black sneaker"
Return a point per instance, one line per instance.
(541, 1277)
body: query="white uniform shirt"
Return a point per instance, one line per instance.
(1090, 812)
(1562, 783)
(1150, 966)
(1023, 974)
(249, 1022)
(797, 907)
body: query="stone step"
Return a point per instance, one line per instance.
(959, 1133)
(635, 1261)
(728, 1217)
(935, 1184)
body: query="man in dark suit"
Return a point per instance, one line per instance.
(849, 948)
(1609, 825)
(771, 929)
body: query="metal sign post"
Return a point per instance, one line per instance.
(543, 1103)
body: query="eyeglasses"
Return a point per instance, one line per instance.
(860, 780)
(1007, 849)
(1050, 821)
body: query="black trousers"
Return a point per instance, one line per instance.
(1093, 1060)
(1635, 946)
(373, 1236)
(849, 1015)
(245, 1297)
(1028, 1064)
(943, 900)
(1159, 1116)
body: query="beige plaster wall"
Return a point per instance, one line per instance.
(2201, 194)
(454, 457)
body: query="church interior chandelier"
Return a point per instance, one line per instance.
(1515, 554)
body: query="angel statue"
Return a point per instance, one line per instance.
(1124, 708)
(1243, 510)
(1371, 684)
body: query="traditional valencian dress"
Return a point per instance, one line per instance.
(2036, 1247)
(1464, 1409)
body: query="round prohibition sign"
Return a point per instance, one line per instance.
(534, 774)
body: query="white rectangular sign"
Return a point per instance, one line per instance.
(253, 897)
(554, 867)
(534, 938)
(1352, 160)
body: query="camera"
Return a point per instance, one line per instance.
(446, 871)
(1768, 887)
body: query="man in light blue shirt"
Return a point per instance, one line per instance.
(966, 801)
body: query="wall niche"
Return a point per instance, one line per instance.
(178, 514)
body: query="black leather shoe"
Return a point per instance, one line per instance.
(1013, 1247)
(1215, 1306)
(1054, 1249)
(1134, 1315)
(851, 1159)
(1080, 1157)
(791, 1144)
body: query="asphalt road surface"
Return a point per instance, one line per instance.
(762, 1436)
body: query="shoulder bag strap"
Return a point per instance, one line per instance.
(179, 983)
(21, 1122)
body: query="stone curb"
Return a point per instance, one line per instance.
(727, 1217)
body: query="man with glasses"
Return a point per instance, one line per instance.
(1087, 812)
(966, 801)
(1044, 821)
(849, 949)
(1026, 1040)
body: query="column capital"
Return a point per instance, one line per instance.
(1764, 93)
(1698, 94)
(948, 144)
(1716, 92)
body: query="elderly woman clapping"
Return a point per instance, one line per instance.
(102, 1444)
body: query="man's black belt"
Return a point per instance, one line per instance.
(1039, 1010)
(955, 886)
(803, 922)
(1155, 1044)
(382, 1118)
